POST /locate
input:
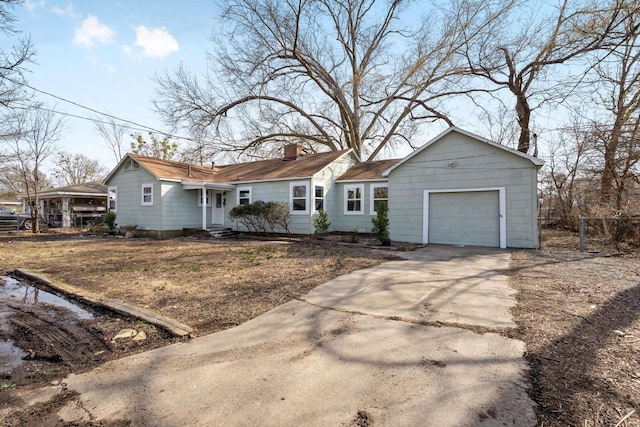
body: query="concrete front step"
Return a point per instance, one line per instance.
(220, 232)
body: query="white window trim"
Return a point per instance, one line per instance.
(241, 189)
(324, 198)
(207, 197)
(304, 184)
(109, 190)
(150, 185)
(346, 201)
(372, 188)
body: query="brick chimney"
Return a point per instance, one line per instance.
(292, 151)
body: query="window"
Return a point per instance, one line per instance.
(319, 198)
(353, 199)
(379, 193)
(147, 194)
(299, 197)
(207, 196)
(112, 200)
(244, 195)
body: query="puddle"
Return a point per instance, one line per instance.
(17, 292)
(10, 357)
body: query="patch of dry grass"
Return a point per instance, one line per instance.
(207, 284)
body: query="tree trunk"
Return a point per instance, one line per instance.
(524, 117)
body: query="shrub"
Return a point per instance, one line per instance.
(381, 223)
(110, 220)
(260, 217)
(321, 222)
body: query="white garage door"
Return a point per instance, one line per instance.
(465, 218)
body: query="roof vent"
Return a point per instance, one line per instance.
(292, 151)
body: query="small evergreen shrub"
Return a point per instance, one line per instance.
(110, 220)
(321, 222)
(381, 223)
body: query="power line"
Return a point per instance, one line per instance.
(90, 119)
(138, 126)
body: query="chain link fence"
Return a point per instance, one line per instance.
(597, 234)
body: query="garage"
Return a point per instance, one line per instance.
(463, 217)
(462, 189)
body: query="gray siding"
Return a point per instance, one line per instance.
(348, 222)
(279, 191)
(180, 207)
(333, 192)
(273, 191)
(129, 199)
(477, 165)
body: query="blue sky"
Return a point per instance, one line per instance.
(103, 54)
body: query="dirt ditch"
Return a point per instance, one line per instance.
(45, 336)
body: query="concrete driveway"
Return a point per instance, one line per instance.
(406, 343)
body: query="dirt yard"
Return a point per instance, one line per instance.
(578, 313)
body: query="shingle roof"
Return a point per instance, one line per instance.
(368, 170)
(88, 188)
(169, 169)
(262, 170)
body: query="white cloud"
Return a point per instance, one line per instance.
(92, 32)
(31, 6)
(111, 69)
(67, 11)
(155, 42)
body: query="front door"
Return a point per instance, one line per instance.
(217, 214)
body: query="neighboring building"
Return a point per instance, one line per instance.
(456, 189)
(74, 205)
(9, 201)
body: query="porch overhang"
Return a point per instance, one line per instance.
(203, 187)
(195, 185)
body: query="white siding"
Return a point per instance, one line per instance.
(458, 161)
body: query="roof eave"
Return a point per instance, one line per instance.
(196, 185)
(362, 180)
(74, 194)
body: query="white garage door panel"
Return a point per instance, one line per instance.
(466, 218)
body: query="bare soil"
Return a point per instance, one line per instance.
(579, 313)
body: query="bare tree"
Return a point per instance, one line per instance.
(12, 182)
(77, 169)
(330, 74)
(569, 175)
(35, 140)
(13, 60)
(521, 62)
(616, 135)
(113, 134)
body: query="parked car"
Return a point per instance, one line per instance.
(22, 221)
